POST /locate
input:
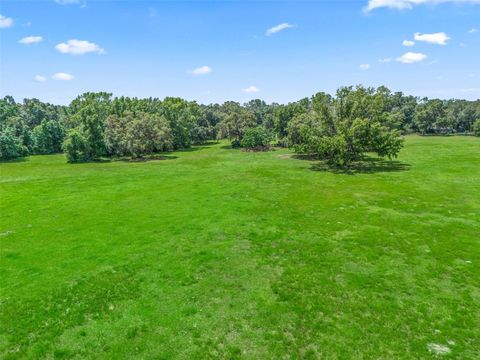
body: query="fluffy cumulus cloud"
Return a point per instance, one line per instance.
(439, 38)
(385, 60)
(408, 43)
(472, 31)
(5, 22)
(62, 76)
(40, 78)
(202, 70)
(79, 47)
(30, 40)
(365, 66)
(251, 89)
(411, 57)
(278, 28)
(408, 4)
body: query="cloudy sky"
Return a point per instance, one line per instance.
(211, 51)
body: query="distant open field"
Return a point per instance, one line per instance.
(220, 253)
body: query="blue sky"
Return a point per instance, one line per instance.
(212, 51)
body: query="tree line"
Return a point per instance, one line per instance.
(338, 129)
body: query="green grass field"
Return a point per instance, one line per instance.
(219, 253)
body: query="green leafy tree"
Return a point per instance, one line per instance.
(181, 120)
(91, 127)
(48, 137)
(234, 125)
(8, 109)
(10, 145)
(342, 131)
(148, 134)
(75, 146)
(429, 116)
(257, 138)
(476, 128)
(115, 134)
(137, 134)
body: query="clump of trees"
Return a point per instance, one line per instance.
(338, 129)
(137, 134)
(257, 139)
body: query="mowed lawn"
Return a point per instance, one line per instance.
(220, 253)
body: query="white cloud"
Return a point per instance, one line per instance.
(408, 4)
(472, 31)
(40, 78)
(385, 60)
(30, 40)
(62, 76)
(79, 47)
(202, 70)
(439, 38)
(278, 28)
(365, 66)
(5, 22)
(251, 89)
(408, 43)
(411, 57)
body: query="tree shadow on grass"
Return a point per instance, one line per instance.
(208, 143)
(16, 160)
(229, 147)
(367, 165)
(149, 158)
(192, 148)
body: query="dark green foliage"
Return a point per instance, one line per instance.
(40, 127)
(476, 127)
(430, 117)
(91, 128)
(235, 122)
(342, 130)
(48, 137)
(10, 145)
(257, 138)
(181, 121)
(137, 135)
(75, 146)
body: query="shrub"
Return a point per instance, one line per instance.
(48, 137)
(148, 134)
(10, 145)
(257, 138)
(75, 147)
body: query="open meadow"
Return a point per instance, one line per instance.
(214, 252)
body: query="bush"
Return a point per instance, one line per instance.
(75, 147)
(236, 144)
(137, 134)
(10, 145)
(48, 137)
(148, 134)
(257, 138)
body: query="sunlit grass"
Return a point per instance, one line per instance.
(219, 253)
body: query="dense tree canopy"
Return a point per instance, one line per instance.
(354, 121)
